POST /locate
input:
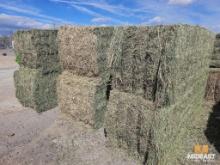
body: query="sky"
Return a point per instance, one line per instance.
(45, 14)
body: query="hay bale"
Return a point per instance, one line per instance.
(160, 62)
(174, 64)
(128, 123)
(37, 49)
(181, 81)
(177, 128)
(213, 86)
(133, 67)
(83, 50)
(35, 90)
(83, 98)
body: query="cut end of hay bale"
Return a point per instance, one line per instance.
(128, 123)
(82, 50)
(36, 90)
(37, 49)
(83, 98)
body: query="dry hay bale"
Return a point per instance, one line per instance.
(83, 50)
(35, 90)
(213, 86)
(128, 123)
(160, 62)
(83, 98)
(37, 49)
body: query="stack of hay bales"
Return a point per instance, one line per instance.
(150, 80)
(165, 65)
(213, 83)
(82, 86)
(35, 80)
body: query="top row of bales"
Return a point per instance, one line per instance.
(35, 81)
(158, 63)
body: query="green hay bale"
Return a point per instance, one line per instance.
(175, 62)
(37, 49)
(83, 50)
(128, 123)
(160, 62)
(83, 98)
(133, 67)
(176, 129)
(35, 90)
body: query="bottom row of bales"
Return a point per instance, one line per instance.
(135, 125)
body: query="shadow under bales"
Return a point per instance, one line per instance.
(212, 131)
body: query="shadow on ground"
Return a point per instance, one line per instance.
(212, 131)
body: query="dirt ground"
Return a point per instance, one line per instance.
(29, 138)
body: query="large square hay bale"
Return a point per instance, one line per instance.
(37, 49)
(83, 98)
(128, 123)
(35, 90)
(160, 63)
(178, 128)
(83, 50)
(178, 57)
